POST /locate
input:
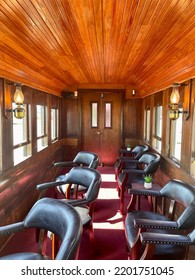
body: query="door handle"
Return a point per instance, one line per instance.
(98, 132)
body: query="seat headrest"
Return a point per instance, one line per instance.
(179, 191)
(87, 158)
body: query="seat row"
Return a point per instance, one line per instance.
(65, 219)
(165, 234)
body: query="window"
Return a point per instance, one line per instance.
(176, 139)
(147, 125)
(157, 141)
(94, 114)
(21, 137)
(54, 124)
(108, 115)
(42, 139)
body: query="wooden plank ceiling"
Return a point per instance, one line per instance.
(54, 45)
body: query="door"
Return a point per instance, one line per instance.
(101, 125)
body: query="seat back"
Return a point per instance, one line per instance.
(139, 150)
(151, 162)
(87, 159)
(184, 194)
(62, 220)
(87, 177)
(192, 237)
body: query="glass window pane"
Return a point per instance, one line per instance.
(94, 114)
(108, 115)
(21, 137)
(20, 129)
(147, 126)
(158, 121)
(176, 137)
(42, 140)
(157, 128)
(41, 143)
(54, 124)
(40, 120)
(22, 153)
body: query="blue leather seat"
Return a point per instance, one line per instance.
(51, 215)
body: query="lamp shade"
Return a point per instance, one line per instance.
(18, 96)
(175, 97)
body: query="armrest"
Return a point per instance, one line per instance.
(135, 171)
(65, 164)
(148, 192)
(157, 224)
(9, 229)
(50, 185)
(160, 238)
(128, 159)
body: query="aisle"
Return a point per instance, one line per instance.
(108, 223)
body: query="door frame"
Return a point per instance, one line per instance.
(100, 91)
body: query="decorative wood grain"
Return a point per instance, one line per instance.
(62, 44)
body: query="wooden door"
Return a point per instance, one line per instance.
(101, 125)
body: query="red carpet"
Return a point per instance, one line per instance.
(108, 224)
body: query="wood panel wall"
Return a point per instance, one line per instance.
(18, 183)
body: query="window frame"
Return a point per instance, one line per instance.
(157, 137)
(147, 129)
(173, 138)
(44, 136)
(56, 125)
(28, 141)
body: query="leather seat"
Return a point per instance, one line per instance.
(83, 158)
(125, 162)
(147, 164)
(54, 216)
(91, 180)
(178, 193)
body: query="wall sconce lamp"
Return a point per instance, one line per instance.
(18, 111)
(174, 103)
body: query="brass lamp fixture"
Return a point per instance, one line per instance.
(174, 103)
(19, 111)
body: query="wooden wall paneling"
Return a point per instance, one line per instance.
(132, 132)
(192, 116)
(18, 184)
(166, 123)
(6, 125)
(70, 119)
(186, 149)
(151, 119)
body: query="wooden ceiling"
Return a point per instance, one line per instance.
(54, 45)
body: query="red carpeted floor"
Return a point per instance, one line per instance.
(108, 223)
(108, 227)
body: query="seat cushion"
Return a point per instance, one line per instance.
(25, 256)
(132, 178)
(84, 214)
